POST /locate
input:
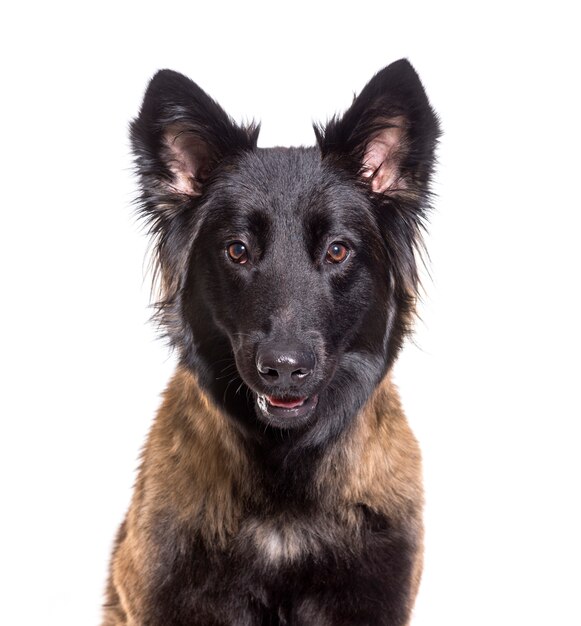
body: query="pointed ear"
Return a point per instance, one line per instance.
(388, 135)
(178, 138)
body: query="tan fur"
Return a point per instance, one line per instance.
(377, 462)
(196, 468)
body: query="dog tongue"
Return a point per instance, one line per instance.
(285, 404)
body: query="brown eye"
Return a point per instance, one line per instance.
(237, 252)
(336, 253)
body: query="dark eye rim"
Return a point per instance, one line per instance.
(242, 258)
(330, 259)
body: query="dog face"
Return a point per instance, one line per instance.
(288, 275)
(286, 254)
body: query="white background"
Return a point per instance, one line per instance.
(491, 386)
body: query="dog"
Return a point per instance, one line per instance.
(280, 482)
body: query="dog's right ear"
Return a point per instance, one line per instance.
(178, 138)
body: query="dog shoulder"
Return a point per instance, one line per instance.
(195, 468)
(377, 461)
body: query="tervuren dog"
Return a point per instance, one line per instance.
(280, 483)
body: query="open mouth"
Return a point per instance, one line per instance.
(293, 403)
(285, 410)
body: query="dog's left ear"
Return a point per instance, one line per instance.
(388, 135)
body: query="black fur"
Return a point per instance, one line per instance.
(205, 184)
(367, 586)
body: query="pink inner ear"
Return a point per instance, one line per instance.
(187, 157)
(383, 155)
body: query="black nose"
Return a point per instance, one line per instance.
(283, 365)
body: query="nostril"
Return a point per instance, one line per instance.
(264, 369)
(301, 373)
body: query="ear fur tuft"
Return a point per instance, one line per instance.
(388, 135)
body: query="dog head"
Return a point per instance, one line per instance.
(288, 275)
